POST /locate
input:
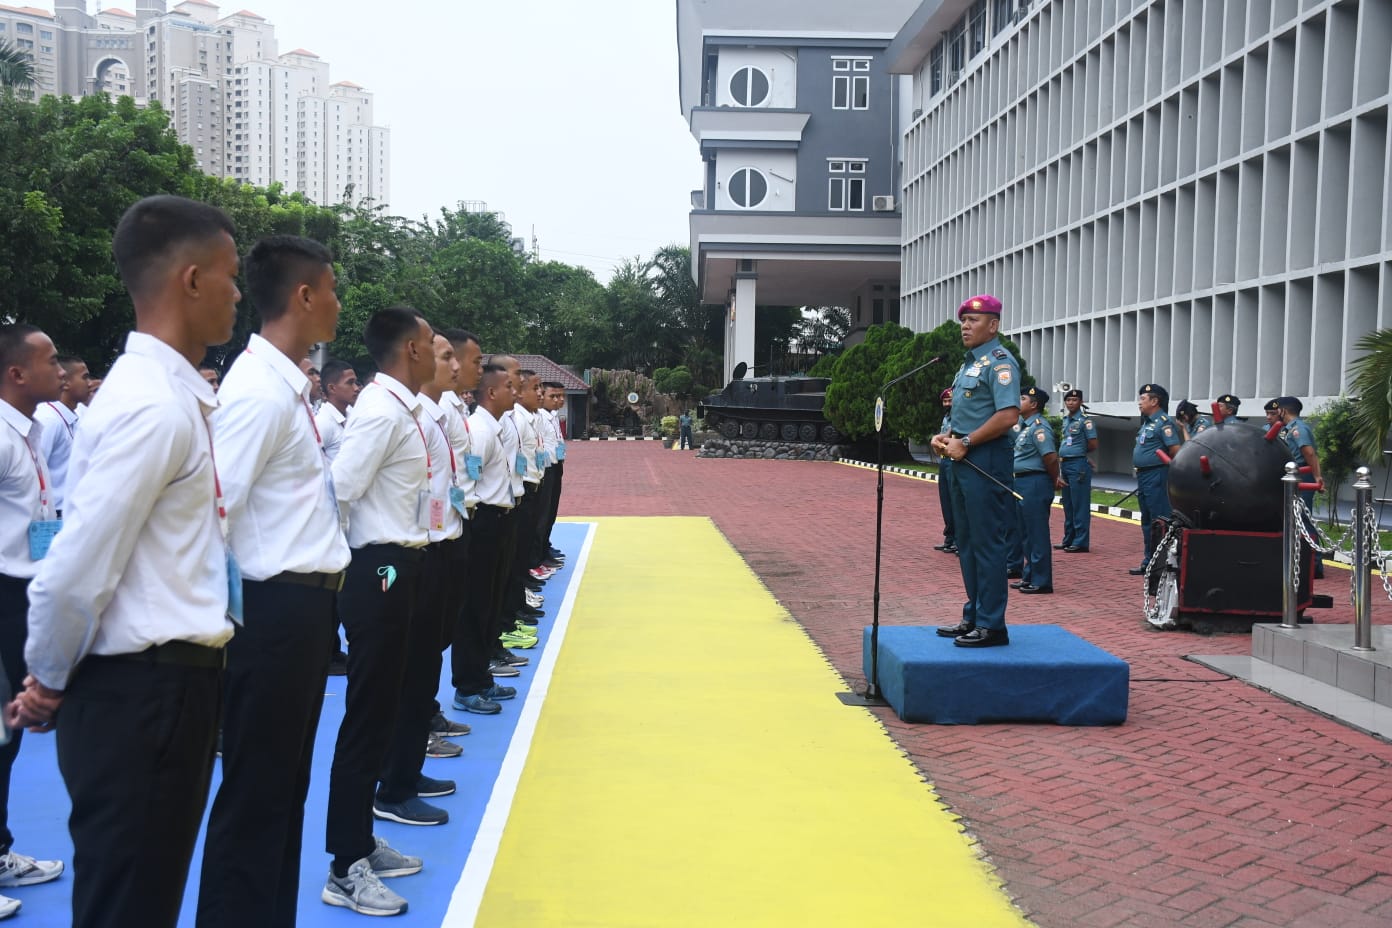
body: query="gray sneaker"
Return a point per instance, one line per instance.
(362, 891)
(8, 906)
(21, 870)
(435, 746)
(387, 862)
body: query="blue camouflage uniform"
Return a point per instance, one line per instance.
(1158, 432)
(1032, 481)
(988, 381)
(1076, 471)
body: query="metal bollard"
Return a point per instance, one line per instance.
(1362, 563)
(1289, 541)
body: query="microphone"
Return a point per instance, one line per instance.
(927, 364)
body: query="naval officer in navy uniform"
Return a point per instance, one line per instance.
(949, 543)
(1036, 473)
(985, 406)
(1075, 473)
(1157, 440)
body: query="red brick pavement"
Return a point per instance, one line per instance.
(1215, 805)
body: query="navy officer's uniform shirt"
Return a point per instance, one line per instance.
(1158, 431)
(1202, 423)
(1078, 430)
(1296, 435)
(988, 380)
(1035, 440)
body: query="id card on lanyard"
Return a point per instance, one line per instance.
(430, 510)
(235, 606)
(43, 529)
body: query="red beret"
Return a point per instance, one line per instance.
(946, 394)
(983, 303)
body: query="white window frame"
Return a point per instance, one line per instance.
(850, 83)
(846, 185)
(749, 85)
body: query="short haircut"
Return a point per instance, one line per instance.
(154, 229)
(460, 336)
(14, 343)
(388, 329)
(70, 360)
(333, 371)
(277, 266)
(523, 372)
(492, 374)
(209, 366)
(552, 385)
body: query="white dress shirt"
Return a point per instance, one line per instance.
(512, 444)
(383, 467)
(442, 478)
(546, 428)
(141, 558)
(21, 463)
(530, 442)
(55, 447)
(494, 486)
(275, 478)
(330, 422)
(461, 437)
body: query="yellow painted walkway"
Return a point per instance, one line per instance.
(692, 767)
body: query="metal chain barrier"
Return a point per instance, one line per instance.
(1151, 606)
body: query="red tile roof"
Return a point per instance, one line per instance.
(30, 10)
(115, 11)
(248, 14)
(550, 370)
(302, 53)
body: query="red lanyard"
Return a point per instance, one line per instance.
(61, 418)
(312, 424)
(43, 484)
(218, 502)
(429, 468)
(453, 469)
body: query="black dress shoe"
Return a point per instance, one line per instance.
(1136, 571)
(1074, 549)
(983, 638)
(945, 546)
(1060, 546)
(1013, 574)
(951, 549)
(1031, 588)
(952, 631)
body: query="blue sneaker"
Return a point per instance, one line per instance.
(499, 692)
(477, 702)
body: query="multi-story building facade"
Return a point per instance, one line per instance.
(248, 112)
(1189, 192)
(798, 124)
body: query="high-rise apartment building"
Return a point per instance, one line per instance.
(1188, 192)
(247, 111)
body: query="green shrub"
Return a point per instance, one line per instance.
(669, 426)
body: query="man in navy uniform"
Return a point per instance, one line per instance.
(1156, 442)
(985, 405)
(949, 543)
(1272, 408)
(1228, 404)
(1191, 419)
(1036, 473)
(1075, 473)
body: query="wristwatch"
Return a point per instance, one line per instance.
(966, 441)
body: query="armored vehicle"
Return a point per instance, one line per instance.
(770, 408)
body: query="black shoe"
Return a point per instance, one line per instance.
(534, 586)
(952, 631)
(1031, 588)
(1136, 571)
(945, 546)
(527, 613)
(951, 549)
(338, 665)
(1075, 549)
(442, 727)
(1060, 546)
(983, 638)
(1013, 574)
(1018, 584)
(429, 787)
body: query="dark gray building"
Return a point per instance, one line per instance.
(799, 125)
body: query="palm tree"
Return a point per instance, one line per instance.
(16, 68)
(1372, 384)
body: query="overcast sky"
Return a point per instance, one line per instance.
(562, 115)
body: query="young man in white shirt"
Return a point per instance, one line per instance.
(525, 557)
(129, 612)
(340, 384)
(383, 476)
(285, 534)
(489, 541)
(555, 402)
(30, 376)
(59, 420)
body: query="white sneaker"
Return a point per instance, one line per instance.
(20, 870)
(8, 906)
(362, 891)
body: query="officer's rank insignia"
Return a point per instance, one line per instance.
(1004, 378)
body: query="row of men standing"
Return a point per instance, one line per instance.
(201, 530)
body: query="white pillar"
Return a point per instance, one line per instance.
(742, 341)
(729, 329)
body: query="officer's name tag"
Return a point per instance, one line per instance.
(41, 535)
(520, 465)
(473, 466)
(560, 451)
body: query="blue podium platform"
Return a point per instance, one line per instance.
(1045, 674)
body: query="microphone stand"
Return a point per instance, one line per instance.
(873, 695)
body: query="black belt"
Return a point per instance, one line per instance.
(319, 581)
(489, 507)
(1031, 473)
(1151, 467)
(181, 653)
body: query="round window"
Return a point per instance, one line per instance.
(749, 87)
(748, 187)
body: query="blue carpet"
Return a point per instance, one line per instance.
(1045, 674)
(39, 804)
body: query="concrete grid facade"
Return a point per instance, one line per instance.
(1192, 192)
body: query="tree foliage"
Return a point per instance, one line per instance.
(855, 380)
(1336, 428)
(1371, 382)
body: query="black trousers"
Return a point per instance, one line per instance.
(508, 578)
(135, 746)
(14, 629)
(436, 601)
(377, 617)
(557, 477)
(471, 646)
(546, 498)
(523, 541)
(277, 664)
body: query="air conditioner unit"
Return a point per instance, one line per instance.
(882, 204)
